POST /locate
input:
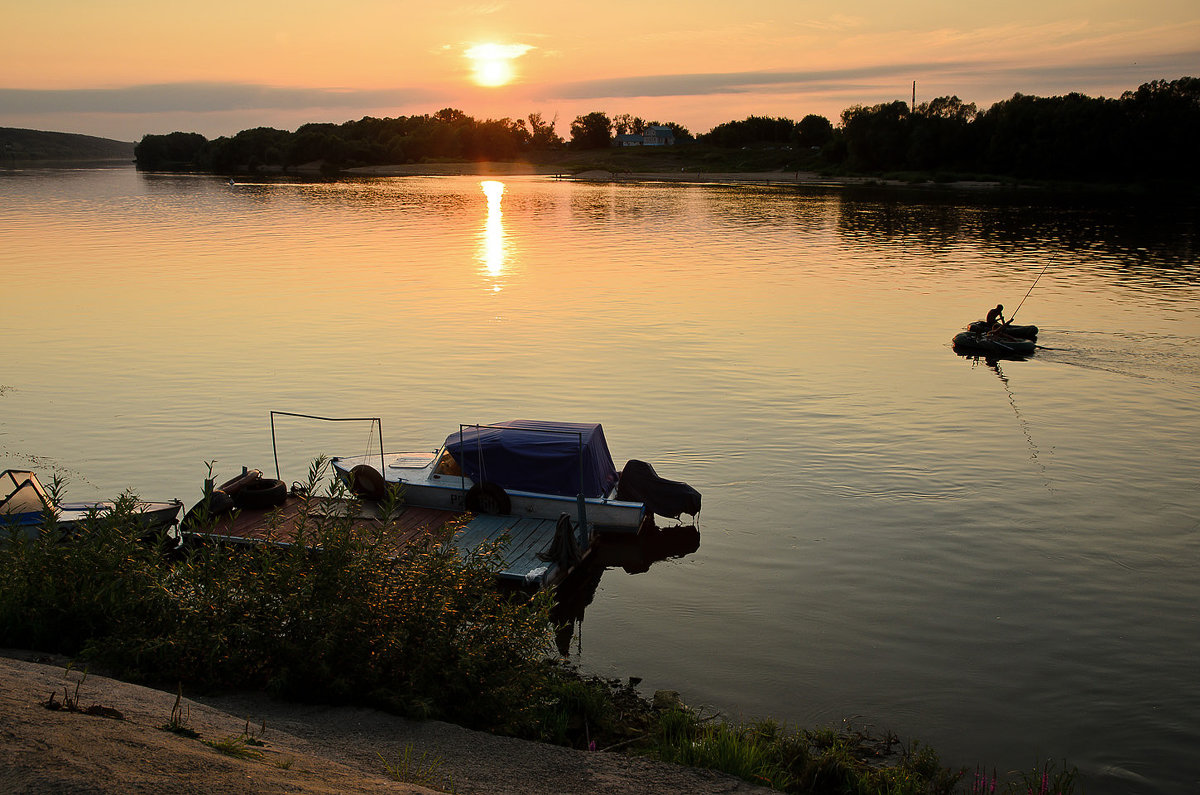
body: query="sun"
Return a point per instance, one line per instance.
(492, 64)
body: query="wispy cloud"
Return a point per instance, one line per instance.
(726, 82)
(836, 79)
(199, 98)
(836, 22)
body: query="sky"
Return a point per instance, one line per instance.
(127, 68)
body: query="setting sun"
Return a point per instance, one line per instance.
(492, 63)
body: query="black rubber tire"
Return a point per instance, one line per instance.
(261, 493)
(366, 482)
(488, 498)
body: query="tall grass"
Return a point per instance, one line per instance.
(802, 760)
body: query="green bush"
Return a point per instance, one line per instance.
(340, 615)
(822, 760)
(333, 616)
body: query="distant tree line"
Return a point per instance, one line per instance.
(1150, 133)
(448, 134)
(1147, 134)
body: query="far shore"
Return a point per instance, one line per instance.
(683, 175)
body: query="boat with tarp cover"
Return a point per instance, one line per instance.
(529, 468)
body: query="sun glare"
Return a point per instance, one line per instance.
(492, 63)
(493, 230)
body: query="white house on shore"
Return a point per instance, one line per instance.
(655, 135)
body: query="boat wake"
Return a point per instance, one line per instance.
(1161, 358)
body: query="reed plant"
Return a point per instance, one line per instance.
(423, 770)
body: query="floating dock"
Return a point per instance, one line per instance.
(532, 559)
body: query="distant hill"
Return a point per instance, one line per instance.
(18, 145)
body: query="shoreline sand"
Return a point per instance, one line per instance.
(307, 749)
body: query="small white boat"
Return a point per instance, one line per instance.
(26, 503)
(525, 468)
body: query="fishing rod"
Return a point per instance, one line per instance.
(1027, 292)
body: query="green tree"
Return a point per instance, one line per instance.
(624, 124)
(1163, 124)
(941, 135)
(682, 134)
(173, 151)
(753, 131)
(876, 137)
(593, 131)
(542, 134)
(813, 130)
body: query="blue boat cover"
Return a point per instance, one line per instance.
(536, 456)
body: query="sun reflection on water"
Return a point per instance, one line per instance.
(493, 250)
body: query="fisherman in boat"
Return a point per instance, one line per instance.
(995, 318)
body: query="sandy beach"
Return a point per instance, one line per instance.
(122, 747)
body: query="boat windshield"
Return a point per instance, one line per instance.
(446, 465)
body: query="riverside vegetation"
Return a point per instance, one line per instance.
(1145, 137)
(339, 616)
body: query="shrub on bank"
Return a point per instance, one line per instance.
(334, 616)
(340, 616)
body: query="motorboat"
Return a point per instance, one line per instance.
(27, 504)
(526, 468)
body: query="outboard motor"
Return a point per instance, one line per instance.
(640, 483)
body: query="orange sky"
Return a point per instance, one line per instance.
(125, 68)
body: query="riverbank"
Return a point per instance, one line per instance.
(682, 175)
(249, 743)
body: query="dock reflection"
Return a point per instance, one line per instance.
(634, 554)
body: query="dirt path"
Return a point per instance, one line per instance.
(305, 749)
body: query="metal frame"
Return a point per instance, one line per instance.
(275, 448)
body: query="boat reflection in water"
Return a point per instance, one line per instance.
(635, 554)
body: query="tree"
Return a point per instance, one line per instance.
(941, 135)
(951, 108)
(1163, 120)
(173, 151)
(813, 130)
(681, 133)
(876, 137)
(593, 131)
(451, 116)
(541, 132)
(753, 131)
(624, 124)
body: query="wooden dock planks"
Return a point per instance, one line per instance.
(527, 537)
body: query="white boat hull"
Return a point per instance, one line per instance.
(414, 473)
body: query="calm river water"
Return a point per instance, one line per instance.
(1001, 561)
